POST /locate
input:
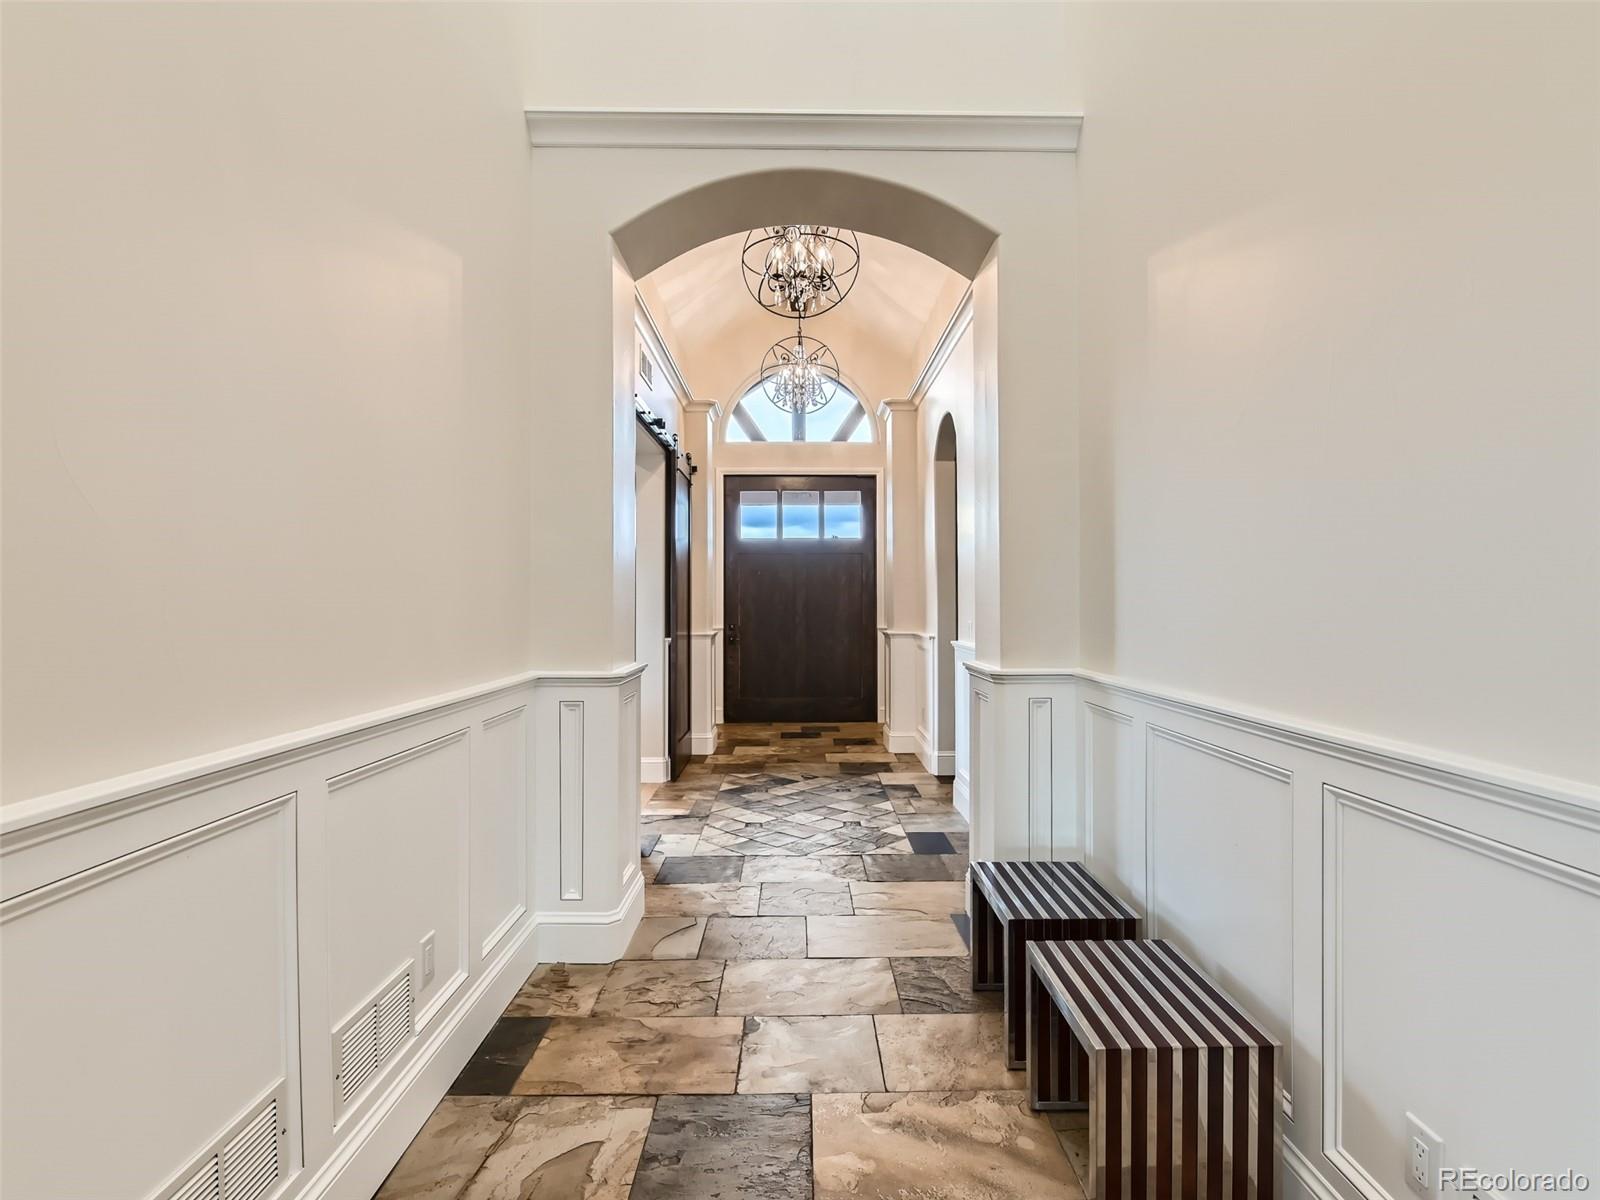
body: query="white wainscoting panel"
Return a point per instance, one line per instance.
(397, 864)
(180, 945)
(1493, 954)
(1114, 826)
(704, 656)
(962, 790)
(1420, 929)
(1041, 790)
(499, 873)
(905, 678)
(1220, 839)
(570, 770)
(172, 963)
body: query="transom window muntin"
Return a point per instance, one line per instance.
(794, 515)
(755, 418)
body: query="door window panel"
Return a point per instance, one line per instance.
(800, 516)
(758, 515)
(841, 515)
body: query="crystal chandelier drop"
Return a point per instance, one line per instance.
(799, 374)
(800, 270)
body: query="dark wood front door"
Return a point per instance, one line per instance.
(679, 521)
(800, 598)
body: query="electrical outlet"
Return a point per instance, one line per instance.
(427, 958)
(1424, 1158)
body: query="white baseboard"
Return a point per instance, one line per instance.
(961, 796)
(1298, 1169)
(703, 743)
(593, 937)
(368, 1153)
(900, 743)
(655, 770)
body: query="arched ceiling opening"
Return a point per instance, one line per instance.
(882, 333)
(860, 202)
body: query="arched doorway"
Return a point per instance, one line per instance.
(946, 593)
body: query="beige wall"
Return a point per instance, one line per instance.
(266, 438)
(1341, 448)
(996, 57)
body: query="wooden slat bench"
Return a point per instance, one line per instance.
(1181, 1083)
(1014, 903)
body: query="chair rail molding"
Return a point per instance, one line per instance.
(752, 129)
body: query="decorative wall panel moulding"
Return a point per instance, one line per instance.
(160, 784)
(741, 129)
(1567, 800)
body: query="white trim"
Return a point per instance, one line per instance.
(1567, 800)
(655, 770)
(746, 129)
(156, 785)
(592, 937)
(644, 321)
(954, 330)
(1303, 1171)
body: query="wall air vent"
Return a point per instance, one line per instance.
(251, 1164)
(370, 1039)
(204, 1184)
(247, 1162)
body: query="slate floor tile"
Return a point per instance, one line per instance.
(727, 1148)
(936, 1146)
(934, 985)
(497, 1062)
(888, 868)
(700, 869)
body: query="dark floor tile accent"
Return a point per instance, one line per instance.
(963, 924)
(728, 1147)
(941, 985)
(679, 824)
(848, 741)
(930, 843)
(859, 768)
(496, 1064)
(647, 844)
(911, 868)
(701, 868)
(799, 733)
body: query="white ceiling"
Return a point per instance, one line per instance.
(881, 334)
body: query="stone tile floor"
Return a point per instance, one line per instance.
(792, 1021)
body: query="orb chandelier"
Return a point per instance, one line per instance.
(800, 270)
(799, 374)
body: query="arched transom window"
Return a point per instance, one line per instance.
(757, 419)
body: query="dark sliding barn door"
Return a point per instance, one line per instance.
(679, 520)
(800, 598)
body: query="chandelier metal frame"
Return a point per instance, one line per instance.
(841, 262)
(806, 358)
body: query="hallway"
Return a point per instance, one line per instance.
(793, 1018)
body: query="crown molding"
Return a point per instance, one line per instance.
(742, 129)
(958, 324)
(645, 322)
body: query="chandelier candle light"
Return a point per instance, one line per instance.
(799, 374)
(800, 270)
